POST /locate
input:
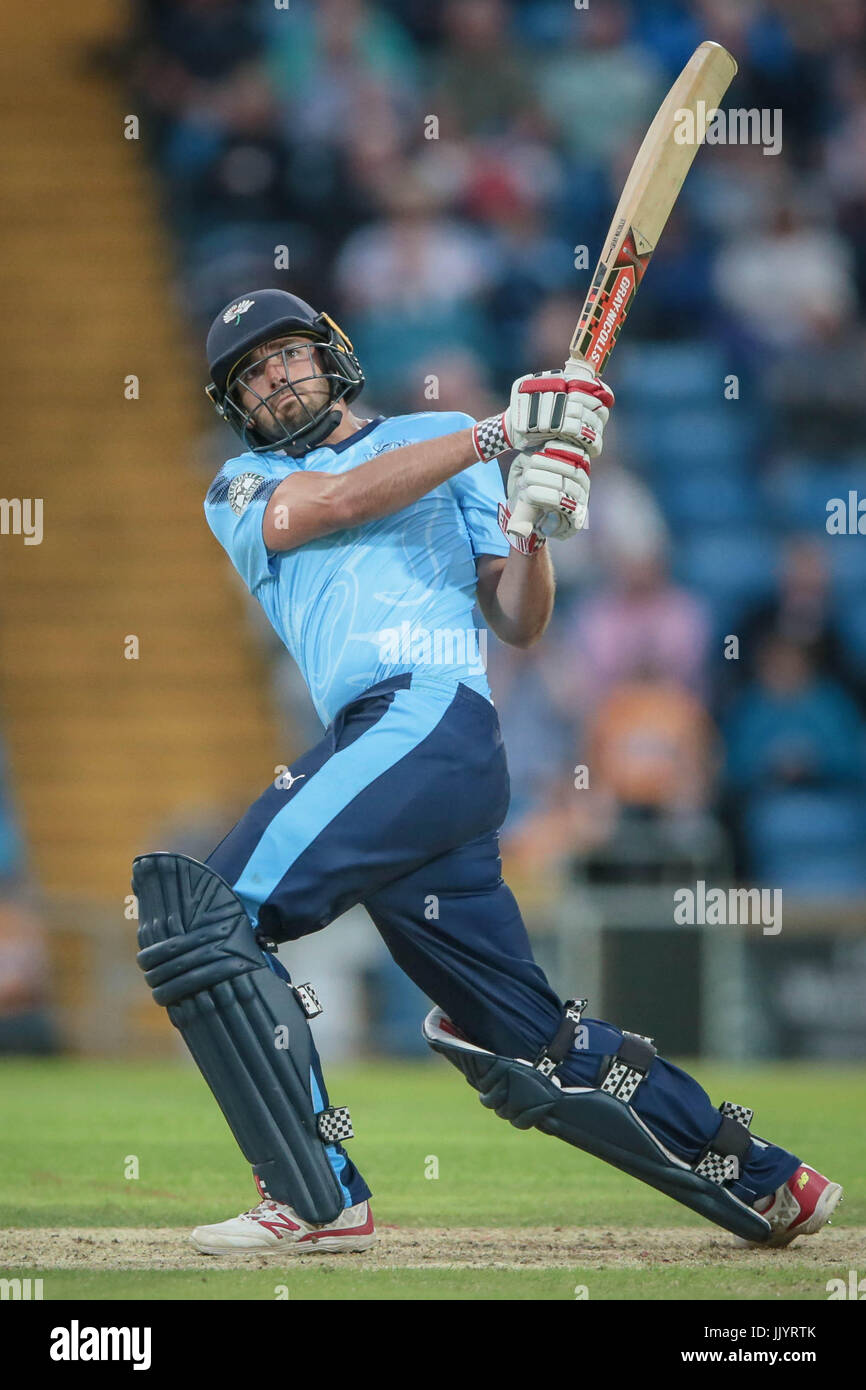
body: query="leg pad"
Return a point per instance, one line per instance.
(245, 1027)
(593, 1120)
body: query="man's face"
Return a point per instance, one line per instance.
(280, 384)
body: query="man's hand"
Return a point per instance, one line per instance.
(571, 405)
(554, 482)
(539, 506)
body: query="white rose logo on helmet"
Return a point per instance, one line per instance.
(242, 489)
(235, 310)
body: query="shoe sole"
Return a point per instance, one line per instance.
(326, 1245)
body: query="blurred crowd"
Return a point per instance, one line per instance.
(26, 1023)
(439, 178)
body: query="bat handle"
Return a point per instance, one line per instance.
(522, 519)
(578, 367)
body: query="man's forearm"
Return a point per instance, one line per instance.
(391, 481)
(523, 601)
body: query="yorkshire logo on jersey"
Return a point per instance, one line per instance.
(242, 490)
(234, 311)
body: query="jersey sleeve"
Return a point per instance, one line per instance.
(235, 508)
(479, 492)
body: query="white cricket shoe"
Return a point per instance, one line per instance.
(275, 1228)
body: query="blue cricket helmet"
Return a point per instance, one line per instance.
(259, 317)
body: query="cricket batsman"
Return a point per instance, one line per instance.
(345, 530)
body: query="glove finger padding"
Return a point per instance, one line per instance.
(568, 405)
(559, 496)
(555, 482)
(547, 405)
(545, 490)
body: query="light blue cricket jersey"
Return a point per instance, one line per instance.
(393, 595)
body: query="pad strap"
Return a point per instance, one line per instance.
(308, 1000)
(723, 1158)
(622, 1074)
(562, 1041)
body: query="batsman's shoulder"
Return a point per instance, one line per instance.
(246, 476)
(431, 423)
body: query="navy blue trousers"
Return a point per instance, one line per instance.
(398, 808)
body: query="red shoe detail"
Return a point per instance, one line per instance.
(279, 1224)
(807, 1187)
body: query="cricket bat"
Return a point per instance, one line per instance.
(650, 191)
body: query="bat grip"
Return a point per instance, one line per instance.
(578, 367)
(522, 519)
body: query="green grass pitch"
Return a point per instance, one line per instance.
(72, 1130)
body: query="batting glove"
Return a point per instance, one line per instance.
(548, 405)
(549, 489)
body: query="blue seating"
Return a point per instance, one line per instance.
(809, 841)
(663, 374)
(687, 439)
(846, 556)
(721, 499)
(798, 489)
(731, 567)
(851, 615)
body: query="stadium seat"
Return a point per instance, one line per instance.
(731, 567)
(851, 615)
(682, 440)
(725, 499)
(798, 489)
(683, 373)
(846, 556)
(809, 841)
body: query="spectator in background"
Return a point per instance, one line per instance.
(184, 52)
(649, 745)
(456, 380)
(410, 283)
(26, 1025)
(528, 263)
(206, 38)
(784, 283)
(802, 616)
(480, 84)
(328, 60)
(245, 177)
(792, 726)
(578, 83)
(642, 622)
(816, 390)
(795, 774)
(412, 259)
(845, 153)
(646, 756)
